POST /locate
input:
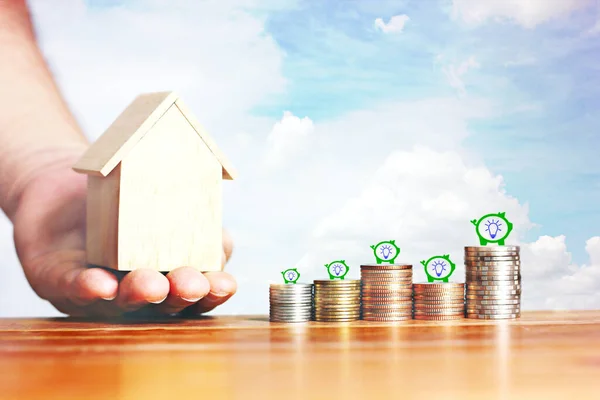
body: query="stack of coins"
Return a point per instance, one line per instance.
(386, 292)
(290, 302)
(337, 300)
(493, 277)
(439, 301)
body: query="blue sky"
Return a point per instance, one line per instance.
(337, 61)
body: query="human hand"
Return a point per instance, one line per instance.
(49, 232)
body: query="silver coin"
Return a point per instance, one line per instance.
(290, 316)
(491, 316)
(493, 254)
(290, 301)
(491, 308)
(491, 249)
(493, 295)
(290, 292)
(290, 306)
(485, 279)
(500, 269)
(473, 271)
(509, 285)
(493, 312)
(477, 259)
(494, 298)
(506, 304)
(474, 278)
(489, 266)
(493, 273)
(289, 321)
(485, 303)
(299, 294)
(290, 286)
(290, 298)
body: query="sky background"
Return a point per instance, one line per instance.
(353, 122)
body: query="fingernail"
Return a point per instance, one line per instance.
(192, 300)
(109, 298)
(159, 301)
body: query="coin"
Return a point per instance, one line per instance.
(509, 285)
(386, 272)
(485, 279)
(439, 317)
(439, 286)
(438, 306)
(407, 314)
(493, 316)
(385, 267)
(389, 297)
(383, 305)
(493, 306)
(491, 249)
(385, 293)
(481, 259)
(440, 312)
(460, 303)
(438, 297)
(494, 296)
(387, 319)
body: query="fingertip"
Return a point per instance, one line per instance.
(96, 283)
(142, 286)
(188, 284)
(221, 283)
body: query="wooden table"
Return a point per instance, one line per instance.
(544, 355)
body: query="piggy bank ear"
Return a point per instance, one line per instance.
(393, 241)
(502, 214)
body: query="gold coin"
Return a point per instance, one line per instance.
(387, 319)
(439, 317)
(385, 266)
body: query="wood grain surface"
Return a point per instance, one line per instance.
(543, 355)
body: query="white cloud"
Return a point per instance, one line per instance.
(287, 138)
(552, 281)
(455, 73)
(394, 25)
(528, 13)
(422, 198)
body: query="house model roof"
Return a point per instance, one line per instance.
(131, 126)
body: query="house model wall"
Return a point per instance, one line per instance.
(155, 190)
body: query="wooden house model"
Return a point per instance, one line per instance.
(155, 190)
